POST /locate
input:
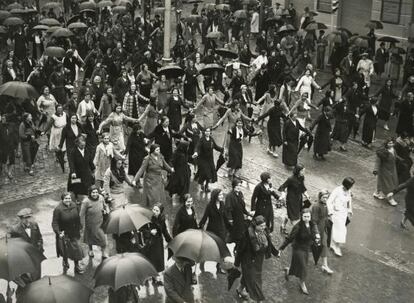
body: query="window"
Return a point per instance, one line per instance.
(324, 6)
(390, 11)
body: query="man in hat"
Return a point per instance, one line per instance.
(27, 229)
(178, 281)
(366, 67)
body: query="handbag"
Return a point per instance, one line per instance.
(71, 249)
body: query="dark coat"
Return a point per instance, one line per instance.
(235, 208)
(173, 109)
(322, 143)
(261, 204)
(291, 142)
(404, 161)
(381, 57)
(69, 137)
(274, 128)
(405, 118)
(409, 198)
(385, 102)
(236, 148)
(294, 200)
(83, 167)
(177, 285)
(179, 182)
(183, 221)
(217, 220)
(36, 239)
(164, 140)
(135, 149)
(370, 124)
(92, 139)
(262, 84)
(206, 167)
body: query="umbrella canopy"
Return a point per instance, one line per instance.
(286, 29)
(14, 5)
(17, 11)
(312, 13)
(124, 269)
(159, 10)
(41, 27)
(55, 289)
(50, 5)
(388, 39)
(119, 9)
(127, 218)
(223, 7)
(220, 161)
(240, 14)
(52, 29)
(55, 51)
(226, 53)
(210, 68)
(88, 11)
(123, 2)
(104, 3)
(343, 30)
(315, 26)
(210, 6)
(18, 257)
(49, 22)
(87, 5)
(214, 35)
(62, 33)
(199, 246)
(74, 18)
(274, 20)
(374, 24)
(4, 15)
(3, 30)
(335, 37)
(193, 18)
(398, 51)
(171, 71)
(360, 41)
(11, 21)
(17, 89)
(77, 25)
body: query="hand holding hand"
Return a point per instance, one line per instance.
(153, 232)
(73, 176)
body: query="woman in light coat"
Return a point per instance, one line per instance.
(339, 206)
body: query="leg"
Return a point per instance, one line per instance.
(91, 254)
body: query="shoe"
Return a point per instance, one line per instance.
(286, 271)
(378, 196)
(269, 151)
(337, 251)
(327, 270)
(159, 283)
(91, 254)
(242, 294)
(220, 270)
(386, 127)
(304, 290)
(79, 270)
(283, 230)
(392, 202)
(31, 172)
(341, 148)
(65, 266)
(275, 155)
(402, 224)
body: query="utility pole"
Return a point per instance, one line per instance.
(167, 33)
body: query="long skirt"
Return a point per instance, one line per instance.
(299, 263)
(235, 155)
(252, 277)
(339, 227)
(154, 189)
(116, 134)
(341, 131)
(55, 135)
(409, 210)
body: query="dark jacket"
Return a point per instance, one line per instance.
(217, 220)
(300, 237)
(69, 136)
(83, 167)
(177, 285)
(261, 203)
(183, 221)
(36, 239)
(235, 211)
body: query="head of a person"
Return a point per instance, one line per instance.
(175, 92)
(145, 67)
(337, 72)
(265, 177)
(59, 109)
(216, 195)
(93, 193)
(73, 119)
(118, 107)
(136, 129)
(389, 143)
(155, 149)
(239, 123)
(308, 72)
(9, 63)
(210, 90)
(235, 105)
(45, 91)
(410, 96)
(304, 96)
(388, 83)
(26, 216)
(80, 142)
(347, 183)
(158, 209)
(323, 195)
(188, 201)
(207, 132)
(27, 117)
(165, 122)
(299, 170)
(235, 185)
(306, 215)
(259, 223)
(66, 198)
(87, 96)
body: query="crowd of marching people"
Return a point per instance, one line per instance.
(114, 114)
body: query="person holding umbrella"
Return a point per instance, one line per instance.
(303, 235)
(66, 225)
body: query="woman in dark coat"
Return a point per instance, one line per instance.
(386, 100)
(70, 132)
(190, 82)
(191, 132)
(342, 125)
(179, 182)
(405, 117)
(274, 127)
(370, 122)
(185, 217)
(255, 246)
(322, 143)
(302, 236)
(135, 149)
(295, 186)
(217, 220)
(66, 225)
(404, 161)
(205, 160)
(155, 233)
(409, 201)
(291, 140)
(90, 128)
(321, 219)
(162, 136)
(261, 201)
(57, 82)
(173, 109)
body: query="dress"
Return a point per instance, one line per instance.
(136, 152)
(162, 90)
(261, 203)
(236, 147)
(370, 123)
(116, 129)
(151, 170)
(385, 166)
(291, 138)
(151, 121)
(184, 221)
(205, 160)
(174, 105)
(322, 143)
(208, 110)
(217, 220)
(190, 84)
(339, 204)
(102, 160)
(274, 127)
(320, 217)
(59, 122)
(305, 86)
(179, 182)
(91, 215)
(409, 198)
(294, 200)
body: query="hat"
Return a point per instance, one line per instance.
(364, 54)
(259, 220)
(25, 213)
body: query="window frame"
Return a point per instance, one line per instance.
(399, 12)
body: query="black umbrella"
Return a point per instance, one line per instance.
(274, 20)
(398, 51)
(315, 26)
(220, 161)
(388, 39)
(171, 71)
(74, 18)
(305, 139)
(214, 35)
(211, 68)
(232, 275)
(374, 24)
(316, 252)
(226, 53)
(286, 29)
(88, 11)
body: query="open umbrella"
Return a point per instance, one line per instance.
(159, 10)
(17, 11)
(41, 27)
(287, 28)
(104, 3)
(12, 21)
(14, 5)
(171, 71)
(199, 246)
(75, 25)
(88, 11)
(274, 20)
(214, 35)
(4, 15)
(360, 41)
(240, 14)
(123, 2)
(52, 29)
(374, 24)
(74, 18)
(127, 218)
(193, 18)
(335, 37)
(124, 269)
(62, 33)
(345, 31)
(223, 7)
(55, 289)
(210, 6)
(17, 89)
(388, 39)
(119, 9)
(194, 1)
(211, 68)
(55, 51)
(316, 252)
(3, 30)
(226, 53)
(18, 257)
(315, 26)
(28, 11)
(312, 13)
(50, 5)
(49, 22)
(87, 5)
